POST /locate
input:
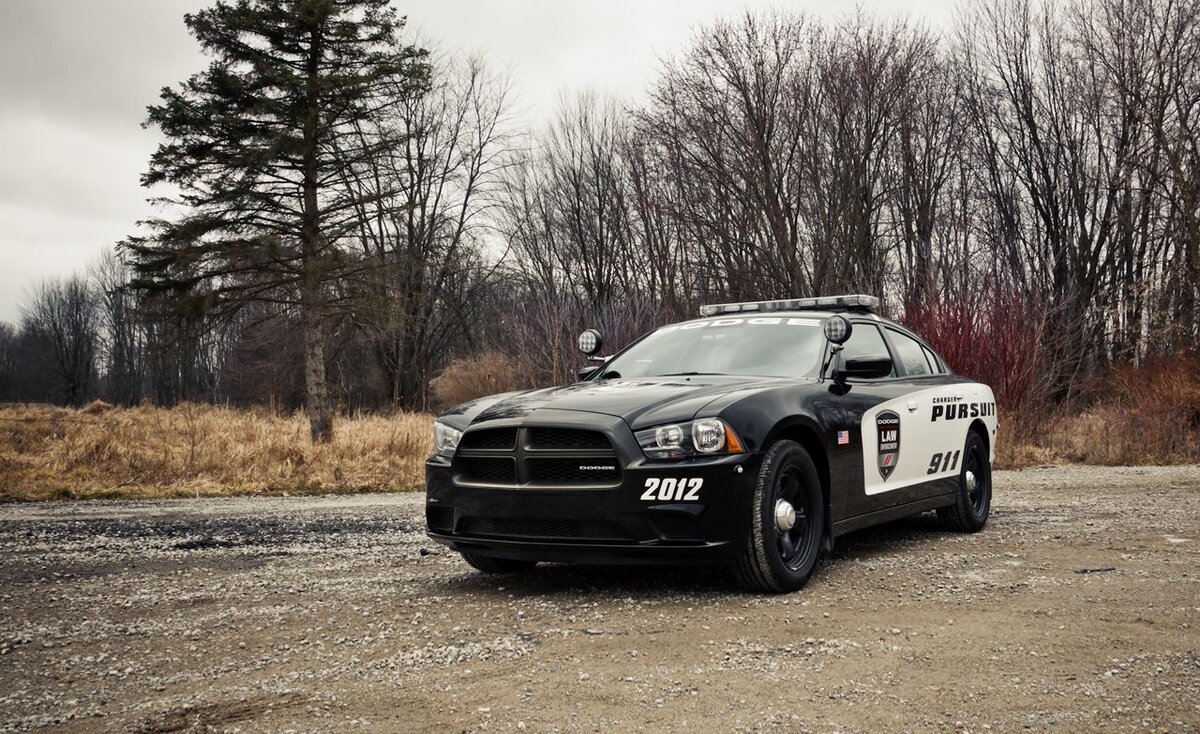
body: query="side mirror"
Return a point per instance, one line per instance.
(590, 342)
(586, 372)
(866, 367)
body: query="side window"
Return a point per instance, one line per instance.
(865, 340)
(910, 354)
(934, 362)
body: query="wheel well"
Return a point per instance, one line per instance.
(808, 438)
(980, 427)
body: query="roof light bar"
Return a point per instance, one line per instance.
(858, 300)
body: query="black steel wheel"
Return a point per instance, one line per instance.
(971, 508)
(787, 523)
(491, 564)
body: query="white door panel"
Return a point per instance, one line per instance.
(902, 438)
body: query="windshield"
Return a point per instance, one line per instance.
(775, 346)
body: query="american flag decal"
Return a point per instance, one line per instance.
(843, 438)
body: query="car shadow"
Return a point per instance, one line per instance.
(656, 582)
(887, 538)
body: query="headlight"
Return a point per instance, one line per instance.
(445, 439)
(704, 436)
(708, 435)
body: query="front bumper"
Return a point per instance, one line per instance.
(609, 525)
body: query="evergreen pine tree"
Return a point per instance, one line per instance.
(257, 146)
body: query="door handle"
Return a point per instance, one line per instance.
(913, 405)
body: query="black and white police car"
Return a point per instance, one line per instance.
(752, 436)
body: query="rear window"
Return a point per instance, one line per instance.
(910, 354)
(934, 362)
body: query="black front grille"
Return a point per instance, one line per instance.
(546, 528)
(487, 469)
(567, 438)
(538, 456)
(491, 438)
(573, 471)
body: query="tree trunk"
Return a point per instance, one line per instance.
(316, 389)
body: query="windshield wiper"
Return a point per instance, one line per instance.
(690, 374)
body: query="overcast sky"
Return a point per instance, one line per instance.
(76, 76)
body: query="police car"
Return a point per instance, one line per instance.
(753, 436)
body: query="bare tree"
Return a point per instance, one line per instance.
(1078, 127)
(567, 214)
(723, 122)
(8, 362)
(1151, 50)
(123, 341)
(930, 184)
(63, 314)
(423, 216)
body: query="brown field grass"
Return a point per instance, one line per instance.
(1132, 415)
(1150, 415)
(476, 377)
(106, 452)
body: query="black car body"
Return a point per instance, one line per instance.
(564, 474)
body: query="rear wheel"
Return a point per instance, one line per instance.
(969, 513)
(787, 520)
(491, 564)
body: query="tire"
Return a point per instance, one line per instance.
(971, 507)
(491, 564)
(775, 560)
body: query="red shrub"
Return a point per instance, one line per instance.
(1144, 414)
(997, 340)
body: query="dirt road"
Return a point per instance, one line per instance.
(1078, 609)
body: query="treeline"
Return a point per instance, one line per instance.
(1024, 189)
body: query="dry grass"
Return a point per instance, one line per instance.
(476, 377)
(1135, 415)
(1112, 436)
(1148, 415)
(1016, 450)
(106, 452)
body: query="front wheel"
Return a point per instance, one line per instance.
(786, 523)
(971, 507)
(491, 564)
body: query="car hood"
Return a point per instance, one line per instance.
(639, 402)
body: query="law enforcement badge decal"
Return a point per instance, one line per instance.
(887, 424)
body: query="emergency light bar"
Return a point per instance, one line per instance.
(858, 300)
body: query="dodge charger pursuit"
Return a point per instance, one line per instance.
(752, 436)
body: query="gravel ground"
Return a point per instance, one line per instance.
(1077, 609)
